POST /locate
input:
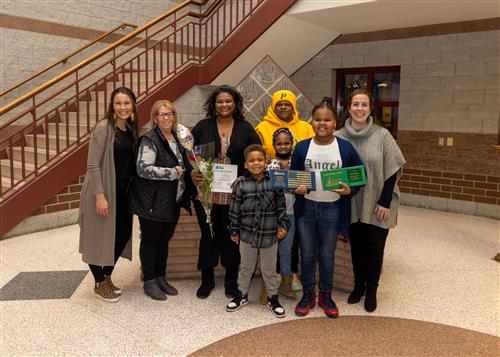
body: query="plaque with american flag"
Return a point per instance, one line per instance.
(291, 179)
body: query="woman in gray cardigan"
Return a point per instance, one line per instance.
(375, 207)
(104, 219)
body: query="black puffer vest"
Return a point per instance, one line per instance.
(156, 199)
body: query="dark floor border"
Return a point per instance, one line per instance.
(355, 336)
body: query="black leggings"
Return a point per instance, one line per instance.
(123, 232)
(367, 252)
(153, 250)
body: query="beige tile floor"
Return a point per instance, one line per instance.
(437, 268)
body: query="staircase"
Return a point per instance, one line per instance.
(44, 134)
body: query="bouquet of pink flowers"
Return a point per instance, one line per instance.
(199, 157)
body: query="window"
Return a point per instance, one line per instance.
(382, 82)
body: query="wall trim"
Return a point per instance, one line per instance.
(420, 31)
(451, 205)
(53, 28)
(44, 222)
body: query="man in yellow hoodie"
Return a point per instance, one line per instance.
(282, 114)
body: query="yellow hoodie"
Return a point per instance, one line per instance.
(270, 123)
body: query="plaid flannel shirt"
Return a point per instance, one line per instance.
(257, 211)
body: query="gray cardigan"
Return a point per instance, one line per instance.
(382, 158)
(97, 233)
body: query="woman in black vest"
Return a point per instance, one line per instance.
(157, 194)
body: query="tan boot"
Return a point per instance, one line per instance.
(263, 293)
(286, 287)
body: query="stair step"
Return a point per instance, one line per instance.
(72, 128)
(142, 76)
(29, 154)
(70, 118)
(103, 107)
(42, 142)
(6, 182)
(18, 169)
(100, 96)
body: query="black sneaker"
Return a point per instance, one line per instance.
(274, 305)
(238, 301)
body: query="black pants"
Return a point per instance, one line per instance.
(123, 232)
(220, 245)
(153, 250)
(367, 251)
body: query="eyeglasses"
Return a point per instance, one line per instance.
(165, 114)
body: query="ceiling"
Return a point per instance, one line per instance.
(352, 16)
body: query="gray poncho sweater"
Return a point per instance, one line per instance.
(382, 158)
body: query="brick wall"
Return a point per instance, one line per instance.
(469, 170)
(455, 185)
(67, 198)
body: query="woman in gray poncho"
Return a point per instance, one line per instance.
(375, 207)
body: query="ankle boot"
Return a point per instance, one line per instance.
(371, 299)
(231, 283)
(357, 293)
(263, 292)
(286, 287)
(207, 283)
(152, 289)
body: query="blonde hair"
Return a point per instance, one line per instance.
(156, 108)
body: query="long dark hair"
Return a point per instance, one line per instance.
(131, 122)
(349, 102)
(233, 92)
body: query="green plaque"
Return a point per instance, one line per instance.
(352, 176)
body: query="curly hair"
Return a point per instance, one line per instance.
(233, 92)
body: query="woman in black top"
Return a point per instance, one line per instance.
(225, 126)
(105, 223)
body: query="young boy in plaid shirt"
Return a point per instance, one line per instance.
(257, 220)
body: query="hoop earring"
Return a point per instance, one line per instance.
(115, 116)
(132, 117)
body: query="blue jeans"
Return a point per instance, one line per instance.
(285, 248)
(317, 228)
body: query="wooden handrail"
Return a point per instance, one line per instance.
(82, 64)
(65, 59)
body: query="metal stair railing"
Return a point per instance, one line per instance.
(57, 117)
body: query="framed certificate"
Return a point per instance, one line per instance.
(291, 179)
(223, 177)
(352, 176)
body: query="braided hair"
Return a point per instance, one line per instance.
(326, 102)
(286, 131)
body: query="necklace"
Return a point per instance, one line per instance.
(225, 127)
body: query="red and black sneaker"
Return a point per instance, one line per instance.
(327, 304)
(306, 303)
